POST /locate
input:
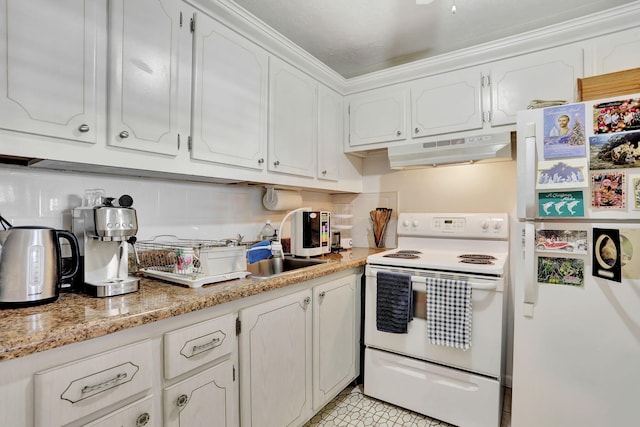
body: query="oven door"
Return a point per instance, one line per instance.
(485, 354)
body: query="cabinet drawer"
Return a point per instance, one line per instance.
(139, 413)
(69, 392)
(188, 348)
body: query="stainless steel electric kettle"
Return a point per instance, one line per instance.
(31, 265)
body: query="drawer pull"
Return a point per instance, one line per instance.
(107, 383)
(143, 419)
(206, 346)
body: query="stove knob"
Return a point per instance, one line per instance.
(485, 225)
(415, 223)
(406, 223)
(497, 225)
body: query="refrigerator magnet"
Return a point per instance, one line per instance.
(606, 254)
(616, 116)
(561, 271)
(608, 190)
(561, 204)
(614, 151)
(566, 173)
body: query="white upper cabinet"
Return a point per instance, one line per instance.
(330, 133)
(143, 75)
(377, 115)
(230, 78)
(616, 52)
(548, 75)
(48, 77)
(450, 102)
(292, 121)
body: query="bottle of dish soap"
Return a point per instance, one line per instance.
(267, 231)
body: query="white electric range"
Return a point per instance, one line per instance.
(462, 387)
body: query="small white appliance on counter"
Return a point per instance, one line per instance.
(103, 231)
(577, 289)
(310, 233)
(459, 385)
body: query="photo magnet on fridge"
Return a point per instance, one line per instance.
(616, 116)
(606, 260)
(614, 151)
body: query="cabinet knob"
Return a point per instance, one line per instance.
(124, 134)
(84, 128)
(324, 172)
(276, 163)
(398, 132)
(260, 161)
(307, 301)
(322, 294)
(416, 130)
(182, 400)
(143, 419)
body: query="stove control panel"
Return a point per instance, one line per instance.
(485, 226)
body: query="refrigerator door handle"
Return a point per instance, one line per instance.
(527, 174)
(530, 275)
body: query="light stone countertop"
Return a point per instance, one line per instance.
(77, 317)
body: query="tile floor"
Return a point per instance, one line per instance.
(352, 408)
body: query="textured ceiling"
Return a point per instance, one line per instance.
(355, 37)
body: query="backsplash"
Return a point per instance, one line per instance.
(183, 208)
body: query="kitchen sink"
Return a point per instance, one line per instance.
(270, 267)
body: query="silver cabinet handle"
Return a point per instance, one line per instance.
(322, 294)
(307, 301)
(416, 130)
(260, 161)
(89, 388)
(398, 132)
(84, 128)
(197, 349)
(182, 400)
(276, 163)
(124, 134)
(143, 419)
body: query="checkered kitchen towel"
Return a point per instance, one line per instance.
(449, 312)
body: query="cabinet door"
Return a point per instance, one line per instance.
(47, 67)
(448, 102)
(139, 414)
(230, 78)
(378, 115)
(143, 75)
(330, 133)
(292, 121)
(207, 399)
(275, 362)
(617, 52)
(335, 338)
(550, 75)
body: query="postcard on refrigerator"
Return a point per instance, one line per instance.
(561, 271)
(635, 187)
(630, 252)
(564, 131)
(608, 190)
(573, 241)
(568, 173)
(616, 116)
(606, 254)
(614, 151)
(561, 204)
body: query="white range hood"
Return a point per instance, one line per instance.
(492, 147)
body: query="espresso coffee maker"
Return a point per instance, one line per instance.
(103, 227)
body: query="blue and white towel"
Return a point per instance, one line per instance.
(259, 251)
(394, 302)
(449, 312)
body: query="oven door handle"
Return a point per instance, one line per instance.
(492, 286)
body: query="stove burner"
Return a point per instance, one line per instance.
(477, 259)
(408, 251)
(403, 255)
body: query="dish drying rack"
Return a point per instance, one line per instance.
(191, 262)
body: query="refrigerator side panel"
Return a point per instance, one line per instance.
(576, 359)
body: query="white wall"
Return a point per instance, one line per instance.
(186, 209)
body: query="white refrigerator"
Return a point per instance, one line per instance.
(576, 359)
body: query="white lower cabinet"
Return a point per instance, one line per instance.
(297, 352)
(205, 399)
(137, 414)
(84, 387)
(336, 338)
